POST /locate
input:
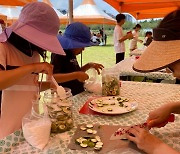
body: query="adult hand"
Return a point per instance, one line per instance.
(82, 76)
(96, 66)
(144, 140)
(159, 117)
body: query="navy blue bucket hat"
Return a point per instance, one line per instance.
(77, 35)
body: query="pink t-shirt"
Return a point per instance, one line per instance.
(16, 99)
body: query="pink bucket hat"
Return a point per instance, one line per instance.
(38, 23)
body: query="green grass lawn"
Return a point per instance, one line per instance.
(101, 54)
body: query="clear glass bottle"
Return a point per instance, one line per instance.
(110, 82)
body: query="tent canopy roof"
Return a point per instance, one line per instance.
(50, 4)
(135, 5)
(12, 12)
(152, 13)
(145, 8)
(89, 13)
(15, 2)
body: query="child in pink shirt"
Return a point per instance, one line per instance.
(21, 46)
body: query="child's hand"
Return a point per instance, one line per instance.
(96, 66)
(43, 68)
(82, 76)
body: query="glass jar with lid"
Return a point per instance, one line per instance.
(59, 110)
(110, 82)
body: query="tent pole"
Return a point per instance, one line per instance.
(81, 59)
(70, 11)
(120, 4)
(137, 16)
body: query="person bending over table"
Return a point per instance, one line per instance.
(21, 45)
(163, 52)
(66, 70)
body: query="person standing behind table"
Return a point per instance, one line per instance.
(119, 38)
(163, 52)
(66, 69)
(133, 42)
(21, 46)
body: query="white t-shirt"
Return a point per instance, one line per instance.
(133, 42)
(16, 99)
(118, 34)
(94, 38)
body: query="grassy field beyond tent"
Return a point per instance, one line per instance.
(101, 54)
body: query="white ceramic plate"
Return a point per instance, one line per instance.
(112, 105)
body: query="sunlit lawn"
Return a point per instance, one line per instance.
(101, 54)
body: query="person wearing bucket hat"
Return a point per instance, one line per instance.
(162, 53)
(66, 69)
(21, 46)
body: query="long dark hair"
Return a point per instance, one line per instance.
(137, 26)
(25, 46)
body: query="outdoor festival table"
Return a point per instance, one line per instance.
(148, 95)
(136, 52)
(125, 69)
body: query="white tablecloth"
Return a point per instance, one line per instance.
(124, 68)
(136, 52)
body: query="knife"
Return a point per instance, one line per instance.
(122, 131)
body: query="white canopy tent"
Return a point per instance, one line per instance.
(12, 12)
(49, 3)
(89, 13)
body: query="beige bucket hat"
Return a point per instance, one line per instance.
(165, 49)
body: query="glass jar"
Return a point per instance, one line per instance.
(110, 82)
(51, 96)
(59, 110)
